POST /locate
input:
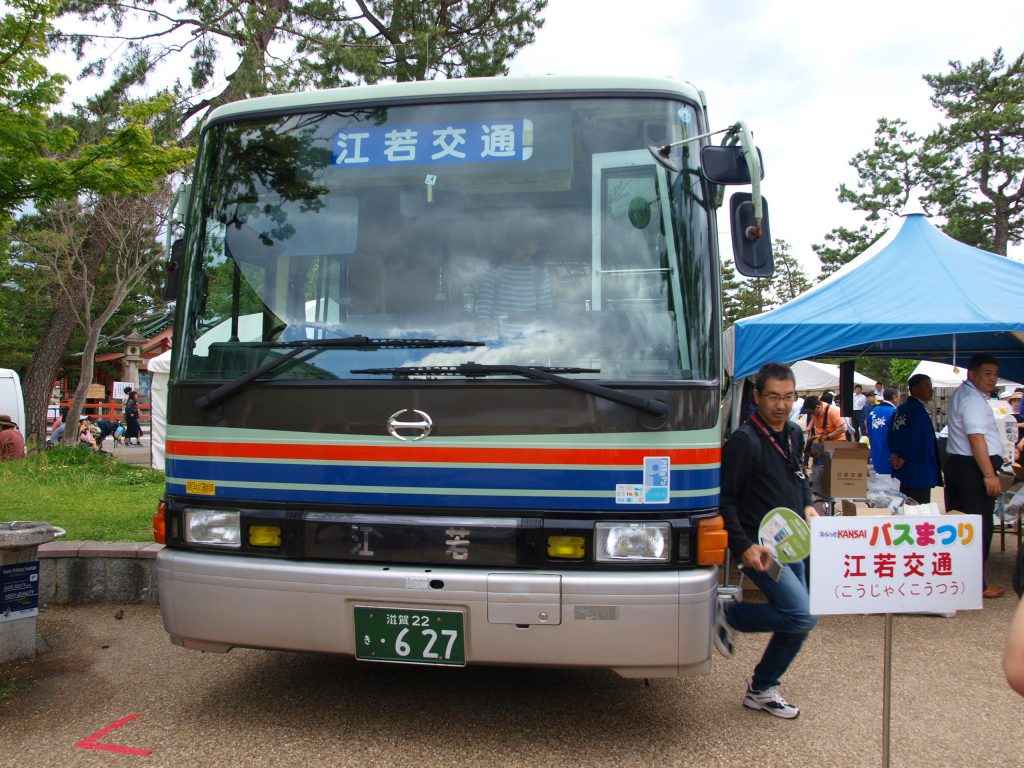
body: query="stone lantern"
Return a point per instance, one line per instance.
(132, 357)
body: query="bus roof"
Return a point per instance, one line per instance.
(464, 87)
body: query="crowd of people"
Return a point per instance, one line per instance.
(763, 467)
(92, 432)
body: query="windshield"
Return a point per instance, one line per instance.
(540, 229)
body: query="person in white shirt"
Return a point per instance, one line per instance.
(859, 401)
(974, 451)
(798, 406)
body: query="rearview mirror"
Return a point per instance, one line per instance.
(726, 164)
(751, 245)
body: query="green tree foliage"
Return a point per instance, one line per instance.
(887, 172)
(27, 94)
(981, 145)
(26, 298)
(886, 175)
(108, 155)
(45, 159)
(877, 368)
(743, 297)
(42, 159)
(970, 168)
(128, 226)
(900, 371)
(274, 46)
(843, 245)
(729, 285)
(789, 280)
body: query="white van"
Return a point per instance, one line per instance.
(12, 402)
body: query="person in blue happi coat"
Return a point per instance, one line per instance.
(878, 431)
(914, 451)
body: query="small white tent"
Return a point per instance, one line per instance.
(945, 376)
(160, 367)
(812, 376)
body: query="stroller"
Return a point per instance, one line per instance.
(104, 428)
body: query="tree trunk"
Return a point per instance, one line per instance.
(44, 368)
(46, 363)
(1000, 227)
(92, 343)
(88, 368)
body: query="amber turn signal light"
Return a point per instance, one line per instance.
(712, 539)
(160, 523)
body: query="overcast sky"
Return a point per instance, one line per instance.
(810, 79)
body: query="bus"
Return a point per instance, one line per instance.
(446, 380)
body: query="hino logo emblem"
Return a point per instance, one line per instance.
(423, 426)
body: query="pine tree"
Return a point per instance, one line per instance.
(980, 150)
(274, 46)
(789, 280)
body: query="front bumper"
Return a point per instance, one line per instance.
(638, 623)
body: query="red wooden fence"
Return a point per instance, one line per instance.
(110, 409)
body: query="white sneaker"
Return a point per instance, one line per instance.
(723, 635)
(770, 701)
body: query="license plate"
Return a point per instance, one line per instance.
(406, 636)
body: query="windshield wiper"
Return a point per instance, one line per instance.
(542, 373)
(225, 391)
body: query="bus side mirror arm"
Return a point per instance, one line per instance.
(174, 269)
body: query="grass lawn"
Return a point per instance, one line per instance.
(91, 496)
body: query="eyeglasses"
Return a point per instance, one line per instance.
(774, 399)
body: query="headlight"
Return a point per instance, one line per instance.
(217, 527)
(633, 542)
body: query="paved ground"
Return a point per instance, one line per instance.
(131, 454)
(951, 706)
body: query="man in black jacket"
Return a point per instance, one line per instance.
(760, 471)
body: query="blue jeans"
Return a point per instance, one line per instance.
(786, 615)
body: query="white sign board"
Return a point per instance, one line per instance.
(120, 387)
(1007, 426)
(895, 564)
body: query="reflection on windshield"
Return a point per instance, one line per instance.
(568, 252)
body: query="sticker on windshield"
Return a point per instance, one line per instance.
(655, 488)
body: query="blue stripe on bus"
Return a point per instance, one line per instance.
(431, 477)
(452, 501)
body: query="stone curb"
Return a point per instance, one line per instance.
(97, 572)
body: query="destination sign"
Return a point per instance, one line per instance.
(481, 141)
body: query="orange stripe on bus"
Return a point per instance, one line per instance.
(426, 454)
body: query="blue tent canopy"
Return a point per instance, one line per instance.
(916, 293)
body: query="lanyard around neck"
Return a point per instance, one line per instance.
(756, 421)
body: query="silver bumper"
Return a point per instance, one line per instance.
(640, 624)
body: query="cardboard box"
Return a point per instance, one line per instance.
(846, 469)
(861, 509)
